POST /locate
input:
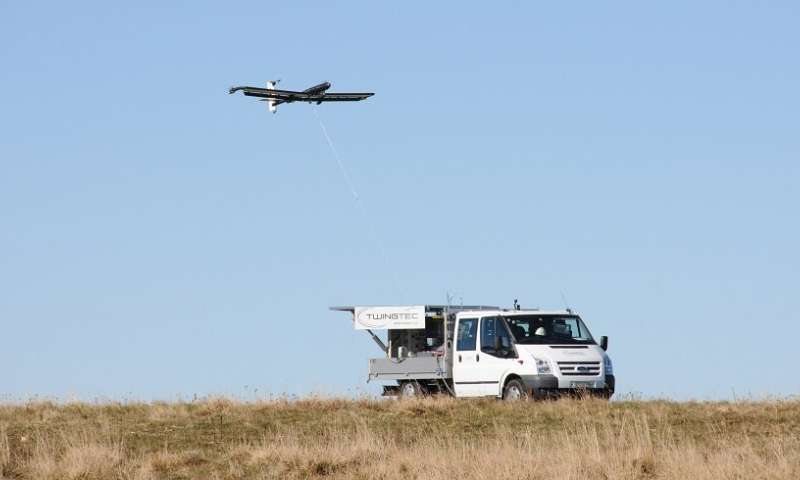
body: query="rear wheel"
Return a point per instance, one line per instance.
(411, 389)
(514, 391)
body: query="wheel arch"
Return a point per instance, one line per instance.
(507, 378)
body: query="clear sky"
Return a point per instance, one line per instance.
(160, 238)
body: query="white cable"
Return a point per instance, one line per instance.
(339, 161)
(357, 198)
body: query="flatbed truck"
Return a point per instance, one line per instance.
(484, 351)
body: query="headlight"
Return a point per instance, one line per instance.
(542, 366)
(609, 368)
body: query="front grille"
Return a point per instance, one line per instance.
(583, 369)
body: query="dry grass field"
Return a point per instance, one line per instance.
(437, 438)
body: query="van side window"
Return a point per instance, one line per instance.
(488, 334)
(491, 328)
(467, 334)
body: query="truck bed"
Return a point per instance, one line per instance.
(410, 368)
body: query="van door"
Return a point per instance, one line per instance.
(465, 358)
(494, 362)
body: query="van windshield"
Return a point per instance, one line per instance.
(549, 329)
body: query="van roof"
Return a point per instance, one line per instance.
(512, 312)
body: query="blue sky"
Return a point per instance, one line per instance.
(160, 238)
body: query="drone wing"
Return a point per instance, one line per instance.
(342, 97)
(282, 95)
(292, 96)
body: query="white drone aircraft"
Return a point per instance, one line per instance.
(315, 94)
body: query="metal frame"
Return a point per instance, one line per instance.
(422, 367)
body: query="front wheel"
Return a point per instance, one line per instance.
(515, 391)
(606, 394)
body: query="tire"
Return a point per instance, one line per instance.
(514, 391)
(411, 389)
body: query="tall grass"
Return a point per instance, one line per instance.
(429, 438)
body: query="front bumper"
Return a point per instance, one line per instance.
(547, 386)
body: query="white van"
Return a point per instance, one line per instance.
(481, 351)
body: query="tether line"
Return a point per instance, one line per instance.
(357, 198)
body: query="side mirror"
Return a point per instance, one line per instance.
(604, 342)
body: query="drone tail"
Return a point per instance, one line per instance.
(272, 104)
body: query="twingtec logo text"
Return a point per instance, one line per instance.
(400, 317)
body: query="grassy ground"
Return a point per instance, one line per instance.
(430, 438)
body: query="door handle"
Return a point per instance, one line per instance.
(477, 357)
(459, 359)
